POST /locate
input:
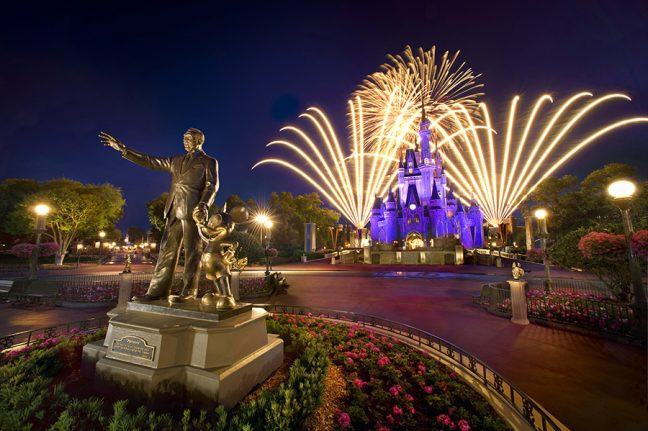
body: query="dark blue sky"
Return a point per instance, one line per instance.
(145, 72)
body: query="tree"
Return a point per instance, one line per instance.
(155, 210)
(291, 212)
(249, 246)
(76, 209)
(136, 234)
(12, 192)
(587, 205)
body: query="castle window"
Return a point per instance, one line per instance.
(411, 170)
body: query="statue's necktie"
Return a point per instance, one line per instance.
(187, 159)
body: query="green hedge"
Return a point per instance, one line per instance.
(31, 400)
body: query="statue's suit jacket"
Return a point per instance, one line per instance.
(194, 180)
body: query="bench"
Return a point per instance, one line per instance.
(5, 288)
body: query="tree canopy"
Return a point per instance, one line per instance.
(291, 212)
(77, 209)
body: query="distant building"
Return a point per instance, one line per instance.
(424, 206)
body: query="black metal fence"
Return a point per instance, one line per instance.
(571, 307)
(27, 338)
(102, 288)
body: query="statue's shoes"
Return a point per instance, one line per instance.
(146, 298)
(179, 299)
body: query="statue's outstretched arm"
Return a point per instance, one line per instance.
(151, 162)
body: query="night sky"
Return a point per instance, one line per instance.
(145, 72)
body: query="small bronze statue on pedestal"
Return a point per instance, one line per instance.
(517, 270)
(219, 258)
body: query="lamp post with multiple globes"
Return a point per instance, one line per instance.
(41, 211)
(622, 193)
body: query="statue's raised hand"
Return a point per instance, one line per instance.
(111, 141)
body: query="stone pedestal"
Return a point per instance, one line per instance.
(518, 302)
(125, 289)
(217, 355)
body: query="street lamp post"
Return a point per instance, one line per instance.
(268, 225)
(102, 235)
(622, 192)
(541, 214)
(41, 211)
(262, 220)
(79, 247)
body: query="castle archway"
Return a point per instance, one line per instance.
(414, 241)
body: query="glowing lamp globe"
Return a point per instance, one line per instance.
(261, 219)
(41, 209)
(412, 207)
(541, 213)
(268, 224)
(79, 246)
(622, 189)
(102, 234)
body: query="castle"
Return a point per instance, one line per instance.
(424, 206)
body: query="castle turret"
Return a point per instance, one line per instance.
(476, 219)
(376, 219)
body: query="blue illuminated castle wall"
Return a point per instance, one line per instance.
(424, 205)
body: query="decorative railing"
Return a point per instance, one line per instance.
(26, 338)
(572, 308)
(534, 415)
(105, 287)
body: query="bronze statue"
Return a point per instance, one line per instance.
(219, 258)
(517, 270)
(194, 183)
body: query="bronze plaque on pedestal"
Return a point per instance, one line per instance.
(133, 346)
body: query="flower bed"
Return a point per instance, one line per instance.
(590, 311)
(389, 386)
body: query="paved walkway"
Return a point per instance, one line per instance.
(586, 382)
(15, 319)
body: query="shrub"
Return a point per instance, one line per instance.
(534, 255)
(249, 246)
(23, 250)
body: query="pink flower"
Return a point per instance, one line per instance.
(443, 419)
(343, 419)
(421, 367)
(394, 391)
(359, 383)
(349, 361)
(390, 419)
(382, 428)
(412, 410)
(463, 425)
(313, 333)
(408, 397)
(382, 361)
(324, 332)
(397, 410)
(427, 389)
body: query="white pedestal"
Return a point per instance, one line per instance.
(518, 302)
(213, 355)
